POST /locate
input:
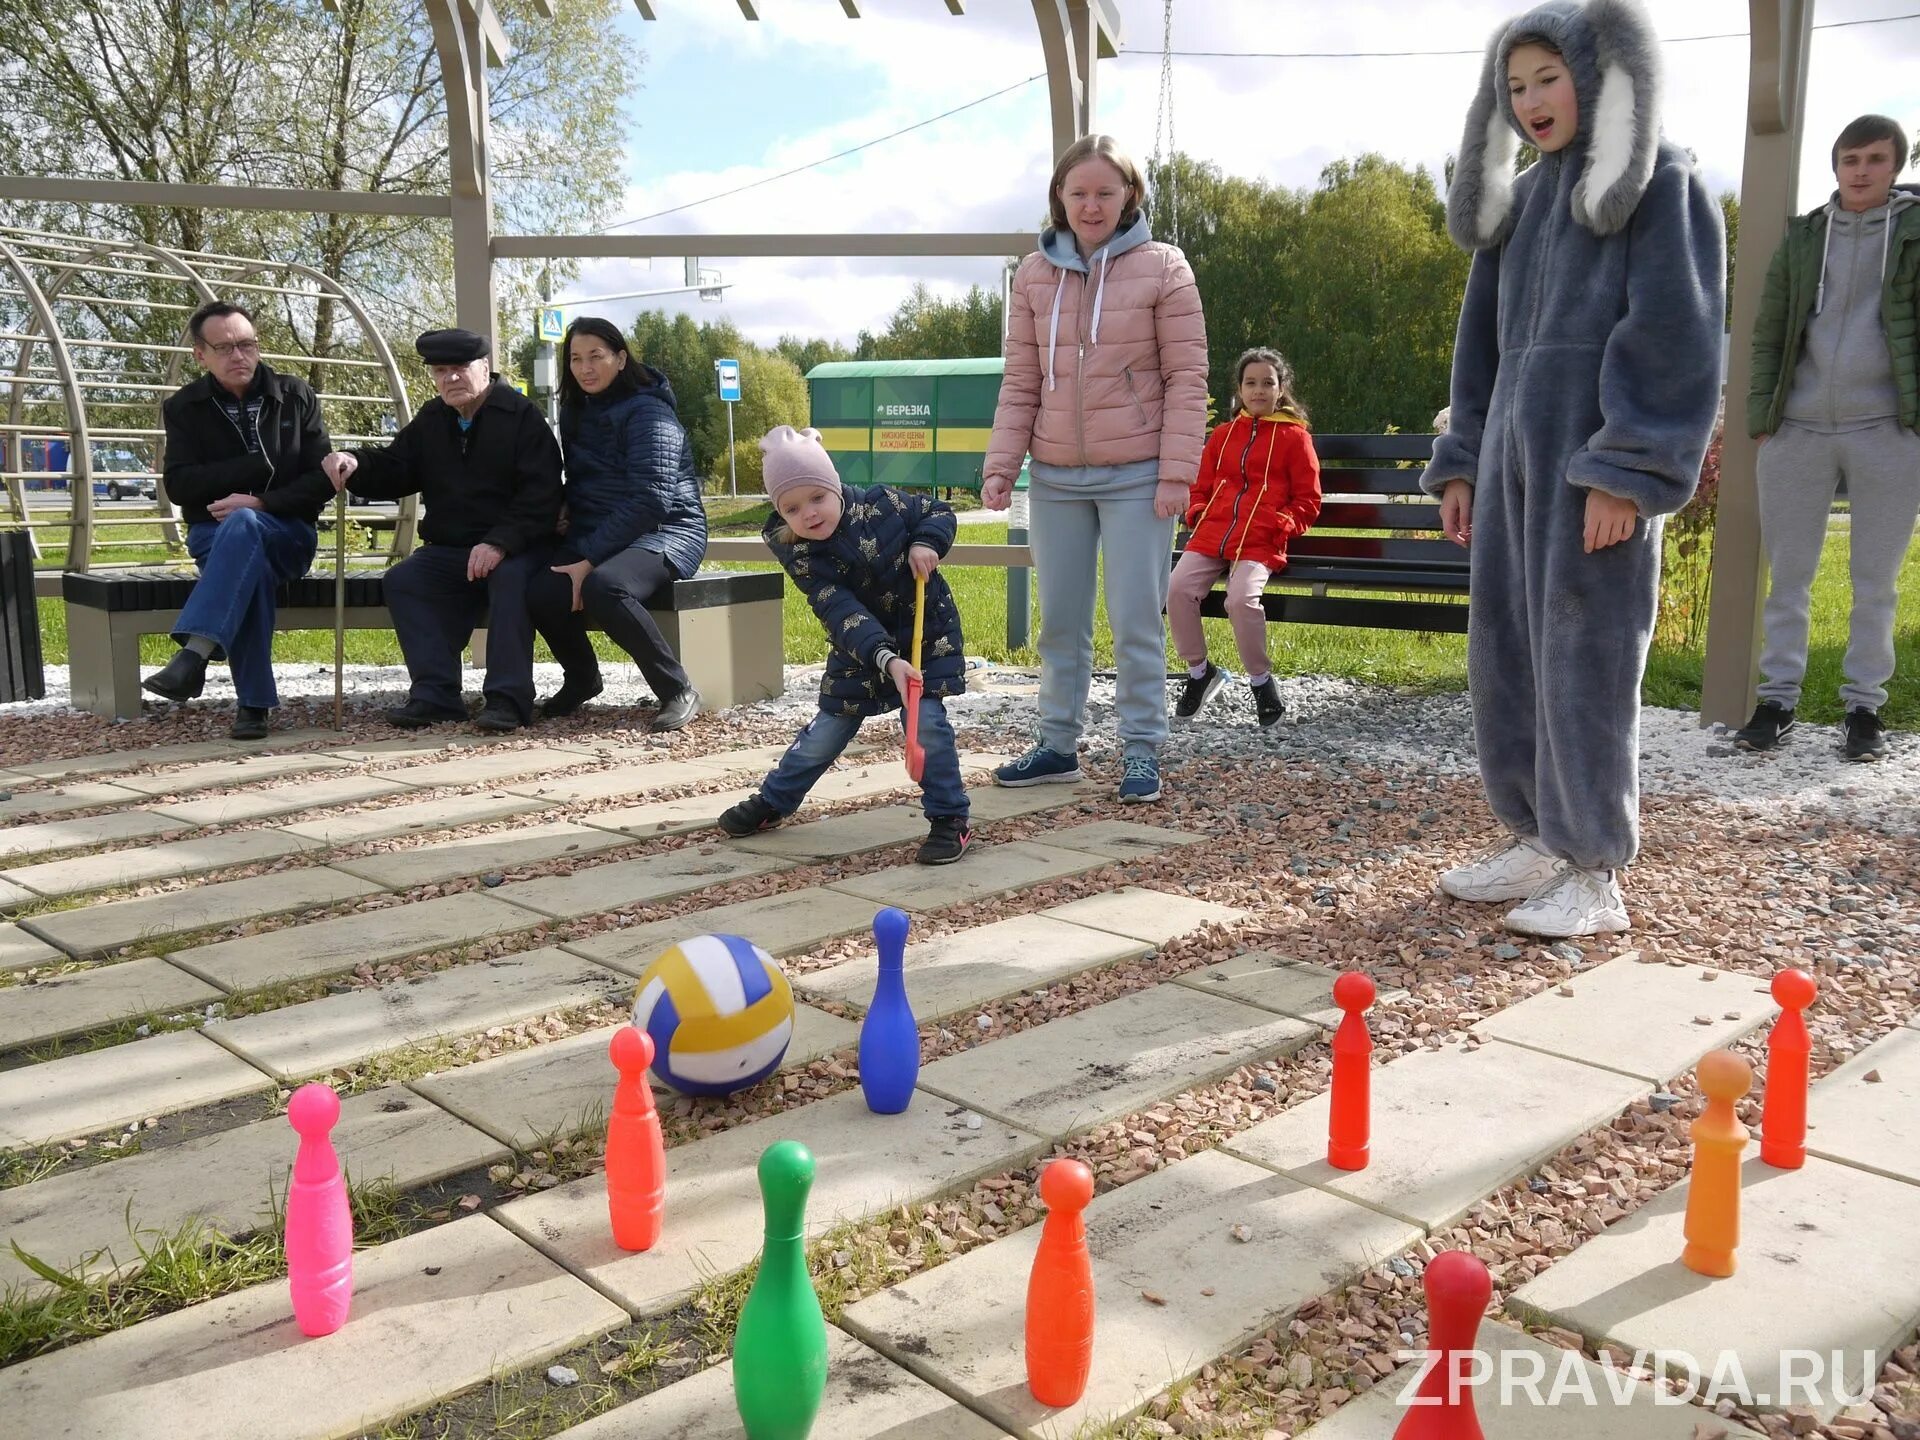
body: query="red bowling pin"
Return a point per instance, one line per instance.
(319, 1231)
(1348, 1122)
(1783, 1113)
(1458, 1288)
(636, 1152)
(1060, 1290)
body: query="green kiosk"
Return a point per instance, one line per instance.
(918, 424)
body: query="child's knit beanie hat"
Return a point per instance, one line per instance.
(795, 457)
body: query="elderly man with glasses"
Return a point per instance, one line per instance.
(485, 463)
(243, 463)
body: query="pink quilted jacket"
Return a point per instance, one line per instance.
(1106, 367)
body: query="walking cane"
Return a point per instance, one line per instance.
(339, 602)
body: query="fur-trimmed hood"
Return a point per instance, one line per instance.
(1613, 54)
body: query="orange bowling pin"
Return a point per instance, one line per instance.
(1783, 1115)
(1348, 1123)
(636, 1152)
(1713, 1198)
(1060, 1290)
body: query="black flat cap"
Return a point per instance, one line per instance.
(451, 347)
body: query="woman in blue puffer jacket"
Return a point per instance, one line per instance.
(632, 522)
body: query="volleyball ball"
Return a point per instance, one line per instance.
(720, 1012)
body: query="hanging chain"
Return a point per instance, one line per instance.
(1163, 129)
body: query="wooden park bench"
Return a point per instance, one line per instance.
(725, 627)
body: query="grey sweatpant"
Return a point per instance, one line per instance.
(1799, 470)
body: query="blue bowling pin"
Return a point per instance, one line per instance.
(889, 1037)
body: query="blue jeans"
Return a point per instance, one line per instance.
(242, 561)
(825, 736)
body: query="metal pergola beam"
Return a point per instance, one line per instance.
(638, 247)
(1778, 45)
(64, 190)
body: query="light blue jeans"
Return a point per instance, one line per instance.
(1074, 530)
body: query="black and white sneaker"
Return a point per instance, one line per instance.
(947, 840)
(1866, 736)
(1197, 690)
(1772, 722)
(749, 817)
(1268, 708)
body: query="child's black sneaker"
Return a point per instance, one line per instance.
(1771, 723)
(1267, 706)
(1866, 736)
(1197, 690)
(749, 817)
(947, 840)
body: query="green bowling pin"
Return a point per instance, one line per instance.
(780, 1344)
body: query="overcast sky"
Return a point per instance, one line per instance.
(728, 101)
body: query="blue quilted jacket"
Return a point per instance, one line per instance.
(859, 584)
(630, 478)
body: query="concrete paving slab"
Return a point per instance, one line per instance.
(108, 762)
(21, 949)
(104, 1089)
(629, 882)
(434, 1313)
(1121, 839)
(327, 947)
(482, 767)
(59, 799)
(989, 870)
(413, 817)
(102, 926)
(621, 780)
(1827, 1262)
(1450, 1127)
(1156, 916)
(1273, 982)
(1071, 1074)
(234, 806)
(531, 1093)
(840, 836)
(1874, 1124)
(57, 835)
(232, 1181)
(308, 1039)
(783, 924)
(1641, 1019)
(963, 1325)
(996, 802)
(504, 850)
(73, 1004)
(669, 817)
(857, 782)
(1621, 1408)
(866, 1164)
(868, 1398)
(760, 757)
(229, 773)
(169, 860)
(12, 896)
(970, 967)
(415, 744)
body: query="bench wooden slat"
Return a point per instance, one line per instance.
(1348, 515)
(1423, 554)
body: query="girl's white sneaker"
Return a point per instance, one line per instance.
(1512, 872)
(1574, 902)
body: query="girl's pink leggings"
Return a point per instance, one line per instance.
(1193, 577)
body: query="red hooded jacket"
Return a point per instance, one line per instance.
(1259, 485)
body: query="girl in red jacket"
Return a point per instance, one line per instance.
(1259, 486)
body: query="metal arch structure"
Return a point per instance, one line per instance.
(38, 272)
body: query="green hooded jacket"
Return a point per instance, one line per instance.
(1793, 282)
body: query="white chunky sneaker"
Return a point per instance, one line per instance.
(1511, 872)
(1574, 902)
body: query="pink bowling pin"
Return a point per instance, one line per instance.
(319, 1223)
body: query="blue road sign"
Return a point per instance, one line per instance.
(727, 372)
(553, 326)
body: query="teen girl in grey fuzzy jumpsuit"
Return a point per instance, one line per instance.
(1586, 375)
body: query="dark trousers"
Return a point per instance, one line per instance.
(435, 609)
(242, 559)
(614, 598)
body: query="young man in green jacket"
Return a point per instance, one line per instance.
(1836, 393)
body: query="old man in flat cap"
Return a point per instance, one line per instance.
(487, 468)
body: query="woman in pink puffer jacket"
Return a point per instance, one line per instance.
(1106, 388)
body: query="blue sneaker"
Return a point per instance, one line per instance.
(1141, 780)
(1039, 766)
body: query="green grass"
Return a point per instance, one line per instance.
(1387, 657)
